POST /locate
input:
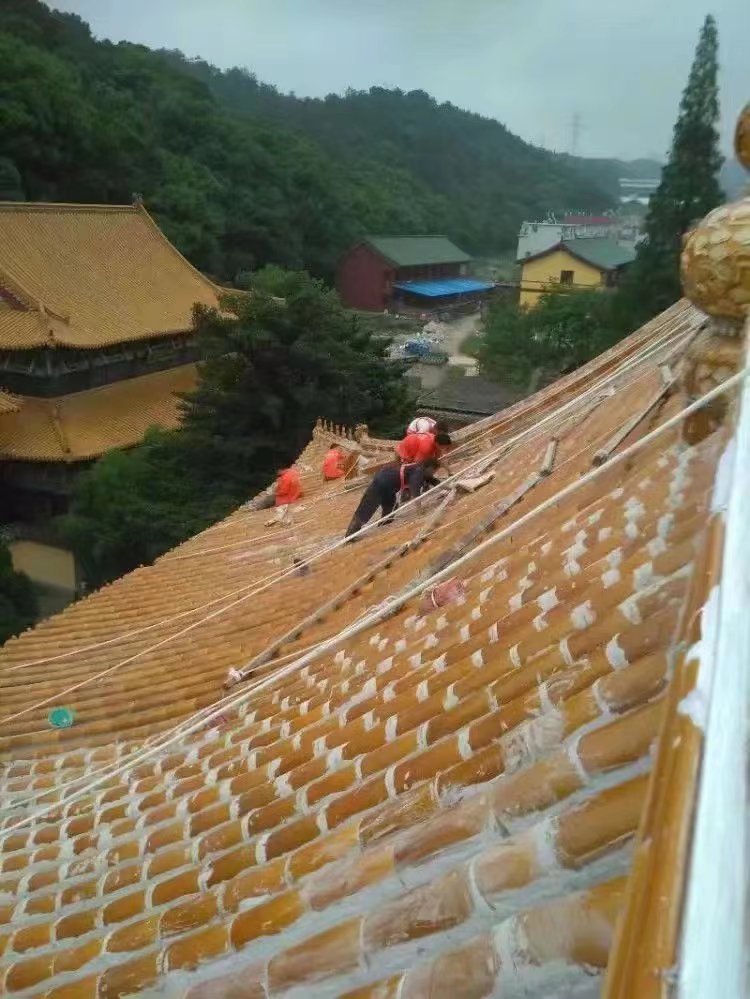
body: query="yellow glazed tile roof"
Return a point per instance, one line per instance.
(89, 276)
(440, 803)
(8, 404)
(84, 425)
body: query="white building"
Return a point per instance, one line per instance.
(637, 189)
(536, 237)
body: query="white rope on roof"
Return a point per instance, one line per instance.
(227, 703)
(415, 591)
(634, 361)
(206, 714)
(265, 583)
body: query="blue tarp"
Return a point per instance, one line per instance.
(418, 347)
(440, 289)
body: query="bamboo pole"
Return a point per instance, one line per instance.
(444, 559)
(434, 519)
(549, 457)
(614, 442)
(271, 651)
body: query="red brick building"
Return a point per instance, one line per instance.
(381, 269)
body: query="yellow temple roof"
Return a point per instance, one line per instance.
(90, 276)
(83, 425)
(402, 795)
(8, 404)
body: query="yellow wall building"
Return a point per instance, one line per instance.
(574, 263)
(50, 568)
(45, 564)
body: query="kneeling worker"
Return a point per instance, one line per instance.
(288, 492)
(333, 464)
(394, 484)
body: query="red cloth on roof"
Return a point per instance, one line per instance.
(417, 447)
(288, 487)
(333, 465)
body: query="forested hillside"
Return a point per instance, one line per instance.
(240, 175)
(490, 178)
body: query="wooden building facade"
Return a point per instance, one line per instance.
(378, 269)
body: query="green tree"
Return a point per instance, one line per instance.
(275, 361)
(526, 347)
(18, 603)
(11, 188)
(131, 506)
(240, 175)
(689, 189)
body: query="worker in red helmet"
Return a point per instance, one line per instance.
(333, 464)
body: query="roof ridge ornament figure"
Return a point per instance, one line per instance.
(715, 263)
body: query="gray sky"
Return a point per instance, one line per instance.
(530, 63)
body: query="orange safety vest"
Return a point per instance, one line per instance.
(417, 447)
(288, 487)
(332, 464)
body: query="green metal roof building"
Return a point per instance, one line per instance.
(419, 271)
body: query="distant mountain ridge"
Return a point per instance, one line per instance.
(449, 149)
(607, 173)
(240, 175)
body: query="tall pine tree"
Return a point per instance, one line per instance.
(689, 189)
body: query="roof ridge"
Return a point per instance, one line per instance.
(70, 206)
(589, 239)
(57, 425)
(143, 211)
(20, 292)
(408, 235)
(573, 246)
(32, 303)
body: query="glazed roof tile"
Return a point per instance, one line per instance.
(84, 425)
(435, 802)
(88, 276)
(8, 403)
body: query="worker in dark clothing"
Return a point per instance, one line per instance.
(394, 484)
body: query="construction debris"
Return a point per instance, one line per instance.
(549, 457)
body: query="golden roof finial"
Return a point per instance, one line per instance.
(715, 263)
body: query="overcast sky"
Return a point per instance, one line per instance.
(533, 64)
